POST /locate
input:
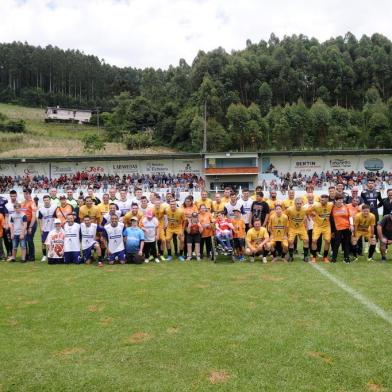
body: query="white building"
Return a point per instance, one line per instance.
(57, 114)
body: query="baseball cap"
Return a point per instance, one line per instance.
(134, 219)
(56, 221)
(62, 197)
(149, 214)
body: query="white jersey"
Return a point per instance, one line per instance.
(72, 237)
(115, 237)
(124, 206)
(230, 208)
(149, 227)
(144, 210)
(247, 206)
(108, 217)
(46, 214)
(88, 235)
(11, 207)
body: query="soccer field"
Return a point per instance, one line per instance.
(196, 327)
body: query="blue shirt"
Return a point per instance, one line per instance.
(133, 237)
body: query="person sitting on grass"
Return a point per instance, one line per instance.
(257, 242)
(134, 242)
(54, 243)
(18, 227)
(193, 229)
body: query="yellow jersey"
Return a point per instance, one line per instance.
(278, 226)
(272, 203)
(103, 209)
(160, 213)
(175, 219)
(362, 224)
(218, 207)
(93, 213)
(207, 203)
(129, 215)
(287, 203)
(321, 214)
(255, 237)
(297, 219)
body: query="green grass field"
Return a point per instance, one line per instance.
(194, 326)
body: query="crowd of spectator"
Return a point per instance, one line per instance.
(81, 180)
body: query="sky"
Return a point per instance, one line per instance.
(158, 33)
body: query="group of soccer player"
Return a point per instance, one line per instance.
(135, 228)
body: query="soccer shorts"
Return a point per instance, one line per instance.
(170, 232)
(120, 256)
(364, 234)
(325, 232)
(87, 253)
(161, 233)
(301, 233)
(274, 243)
(72, 258)
(44, 236)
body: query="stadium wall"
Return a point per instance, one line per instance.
(304, 163)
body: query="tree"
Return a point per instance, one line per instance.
(265, 97)
(93, 143)
(321, 119)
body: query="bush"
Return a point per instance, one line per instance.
(13, 126)
(93, 143)
(138, 140)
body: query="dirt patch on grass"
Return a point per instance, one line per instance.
(374, 387)
(201, 286)
(173, 330)
(324, 357)
(271, 278)
(139, 337)
(12, 322)
(31, 302)
(70, 351)
(106, 321)
(219, 376)
(95, 308)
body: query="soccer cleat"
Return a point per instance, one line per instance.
(163, 258)
(346, 261)
(325, 259)
(264, 260)
(242, 258)
(306, 259)
(370, 259)
(252, 259)
(290, 259)
(146, 261)
(169, 258)
(313, 260)
(181, 258)
(198, 258)
(44, 259)
(151, 258)
(355, 258)
(157, 260)
(275, 259)
(333, 260)
(188, 259)
(383, 259)
(100, 264)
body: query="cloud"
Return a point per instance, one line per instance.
(157, 33)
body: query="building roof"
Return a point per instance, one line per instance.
(70, 109)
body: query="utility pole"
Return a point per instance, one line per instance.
(205, 127)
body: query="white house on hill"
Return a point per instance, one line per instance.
(57, 114)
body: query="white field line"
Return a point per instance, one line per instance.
(355, 294)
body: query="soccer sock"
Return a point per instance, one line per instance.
(355, 250)
(306, 252)
(291, 252)
(169, 252)
(283, 254)
(175, 243)
(325, 253)
(159, 247)
(314, 252)
(43, 252)
(265, 253)
(274, 253)
(372, 248)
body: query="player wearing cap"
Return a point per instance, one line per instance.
(55, 243)
(134, 242)
(88, 232)
(46, 216)
(149, 224)
(71, 240)
(114, 236)
(63, 210)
